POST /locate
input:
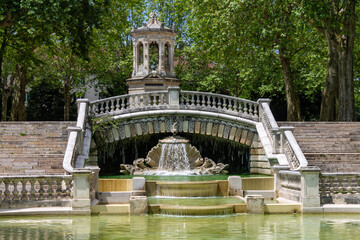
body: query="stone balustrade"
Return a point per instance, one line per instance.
(282, 138)
(129, 103)
(211, 102)
(186, 100)
(290, 185)
(339, 187)
(32, 188)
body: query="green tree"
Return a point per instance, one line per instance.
(336, 21)
(231, 41)
(28, 24)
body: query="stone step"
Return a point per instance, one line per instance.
(33, 147)
(332, 146)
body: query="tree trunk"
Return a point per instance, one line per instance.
(346, 105)
(67, 101)
(18, 103)
(338, 101)
(292, 97)
(329, 94)
(4, 87)
(5, 96)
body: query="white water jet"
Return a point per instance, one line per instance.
(174, 157)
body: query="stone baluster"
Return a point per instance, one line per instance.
(224, 105)
(229, 105)
(198, 100)
(32, 189)
(23, 191)
(112, 107)
(256, 111)
(117, 105)
(192, 99)
(219, 104)
(128, 102)
(240, 107)
(53, 187)
(165, 97)
(102, 107)
(187, 96)
(16, 191)
(213, 102)
(357, 184)
(251, 109)
(7, 190)
(203, 102)
(41, 188)
(59, 188)
(246, 108)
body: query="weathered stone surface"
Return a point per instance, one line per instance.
(138, 205)
(254, 204)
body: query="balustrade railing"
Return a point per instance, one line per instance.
(332, 184)
(290, 180)
(219, 103)
(129, 103)
(282, 138)
(35, 188)
(290, 185)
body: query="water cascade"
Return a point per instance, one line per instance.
(173, 156)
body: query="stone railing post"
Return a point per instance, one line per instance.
(283, 138)
(261, 109)
(83, 110)
(81, 191)
(174, 95)
(310, 186)
(277, 180)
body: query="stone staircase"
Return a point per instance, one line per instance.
(332, 146)
(32, 148)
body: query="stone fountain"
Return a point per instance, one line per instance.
(174, 155)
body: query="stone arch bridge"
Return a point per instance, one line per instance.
(242, 121)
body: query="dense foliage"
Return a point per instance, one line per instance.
(303, 55)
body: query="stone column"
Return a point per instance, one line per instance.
(135, 57)
(310, 186)
(161, 57)
(146, 58)
(81, 192)
(174, 95)
(171, 57)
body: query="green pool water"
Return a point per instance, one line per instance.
(194, 201)
(181, 177)
(244, 226)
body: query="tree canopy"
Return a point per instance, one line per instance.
(303, 55)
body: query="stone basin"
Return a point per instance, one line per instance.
(187, 189)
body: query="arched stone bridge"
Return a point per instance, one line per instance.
(243, 121)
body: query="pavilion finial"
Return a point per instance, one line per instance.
(153, 20)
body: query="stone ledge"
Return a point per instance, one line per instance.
(37, 211)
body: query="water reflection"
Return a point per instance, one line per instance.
(168, 227)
